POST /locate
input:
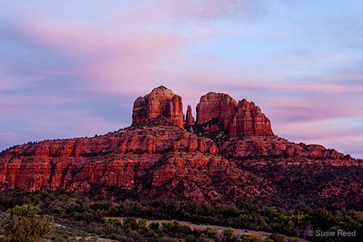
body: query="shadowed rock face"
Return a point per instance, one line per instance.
(161, 101)
(237, 119)
(189, 117)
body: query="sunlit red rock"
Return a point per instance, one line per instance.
(109, 159)
(161, 101)
(237, 119)
(216, 105)
(189, 117)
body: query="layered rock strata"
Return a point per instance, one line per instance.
(119, 158)
(274, 146)
(237, 119)
(155, 158)
(161, 101)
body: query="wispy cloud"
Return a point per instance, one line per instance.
(204, 9)
(344, 135)
(100, 60)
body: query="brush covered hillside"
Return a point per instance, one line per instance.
(227, 155)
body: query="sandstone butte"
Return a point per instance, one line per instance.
(161, 155)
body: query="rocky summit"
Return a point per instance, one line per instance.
(229, 154)
(161, 101)
(237, 119)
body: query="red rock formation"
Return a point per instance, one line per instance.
(163, 161)
(161, 101)
(189, 119)
(250, 120)
(216, 105)
(109, 159)
(238, 119)
(273, 146)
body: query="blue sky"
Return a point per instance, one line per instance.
(71, 69)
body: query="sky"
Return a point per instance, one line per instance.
(74, 68)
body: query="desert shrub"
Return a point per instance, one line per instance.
(277, 237)
(204, 239)
(190, 238)
(131, 221)
(22, 223)
(113, 221)
(295, 239)
(248, 237)
(134, 235)
(88, 217)
(168, 239)
(154, 226)
(211, 233)
(151, 234)
(228, 232)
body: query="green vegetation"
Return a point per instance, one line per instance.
(22, 223)
(228, 232)
(82, 217)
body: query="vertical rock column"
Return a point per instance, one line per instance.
(161, 101)
(189, 119)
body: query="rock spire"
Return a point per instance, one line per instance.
(189, 119)
(235, 118)
(161, 101)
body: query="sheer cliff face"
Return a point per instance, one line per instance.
(161, 101)
(237, 119)
(123, 158)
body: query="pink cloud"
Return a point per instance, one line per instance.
(112, 61)
(321, 82)
(10, 104)
(318, 130)
(60, 121)
(78, 39)
(106, 59)
(9, 136)
(341, 135)
(310, 108)
(10, 81)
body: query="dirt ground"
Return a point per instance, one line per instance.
(263, 235)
